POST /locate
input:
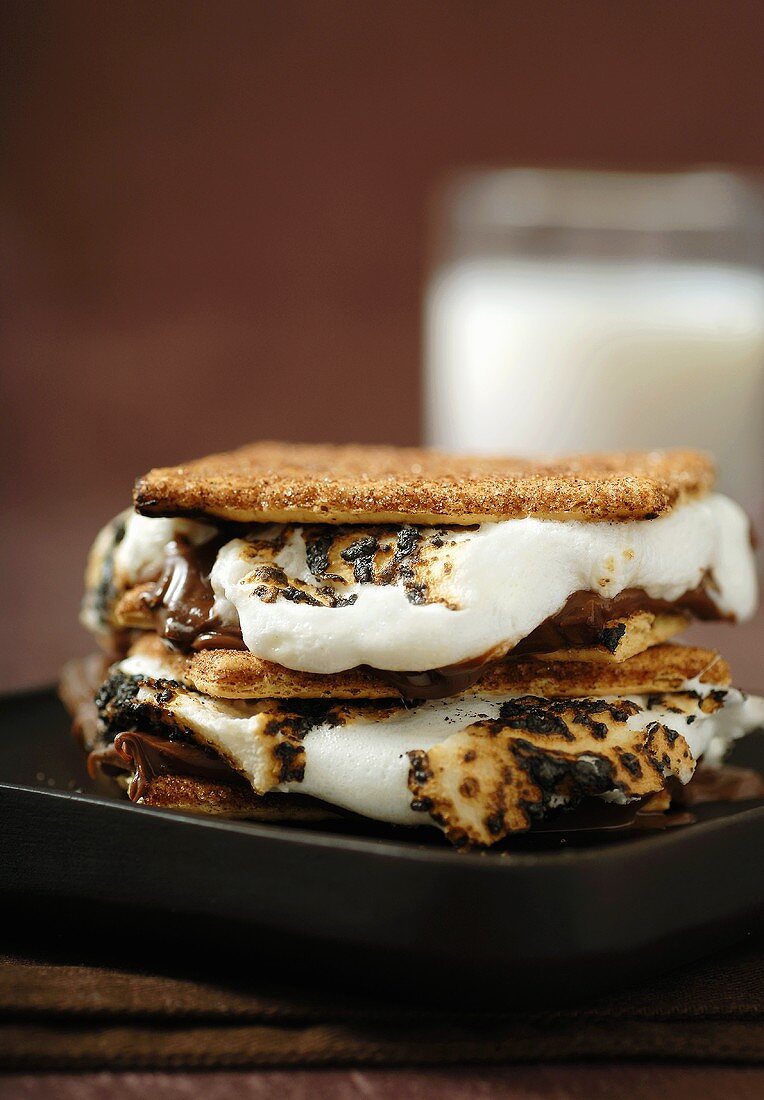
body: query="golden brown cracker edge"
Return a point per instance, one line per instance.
(237, 674)
(323, 483)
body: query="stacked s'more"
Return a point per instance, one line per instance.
(478, 645)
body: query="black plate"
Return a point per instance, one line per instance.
(385, 908)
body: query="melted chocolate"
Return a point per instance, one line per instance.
(720, 783)
(583, 620)
(596, 817)
(147, 755)
(438, 683)
(182, 599)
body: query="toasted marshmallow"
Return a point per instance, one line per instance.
(360, 758)
(327, 599)
(475, 591)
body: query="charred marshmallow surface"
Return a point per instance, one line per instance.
(358, 758)
(325, 599)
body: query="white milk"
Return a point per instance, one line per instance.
(531, 356)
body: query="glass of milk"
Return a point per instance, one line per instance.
(579, 311)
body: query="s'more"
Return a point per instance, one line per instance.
(475, 645)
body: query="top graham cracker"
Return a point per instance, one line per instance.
(322, 483)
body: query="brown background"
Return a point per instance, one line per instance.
(214, 220)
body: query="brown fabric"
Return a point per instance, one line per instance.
(55, 1016)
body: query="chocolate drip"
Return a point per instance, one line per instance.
(181, 601)
(147, 755)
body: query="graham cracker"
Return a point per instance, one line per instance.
(236, 674)
(322, 483)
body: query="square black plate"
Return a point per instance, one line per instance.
(384, 908)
